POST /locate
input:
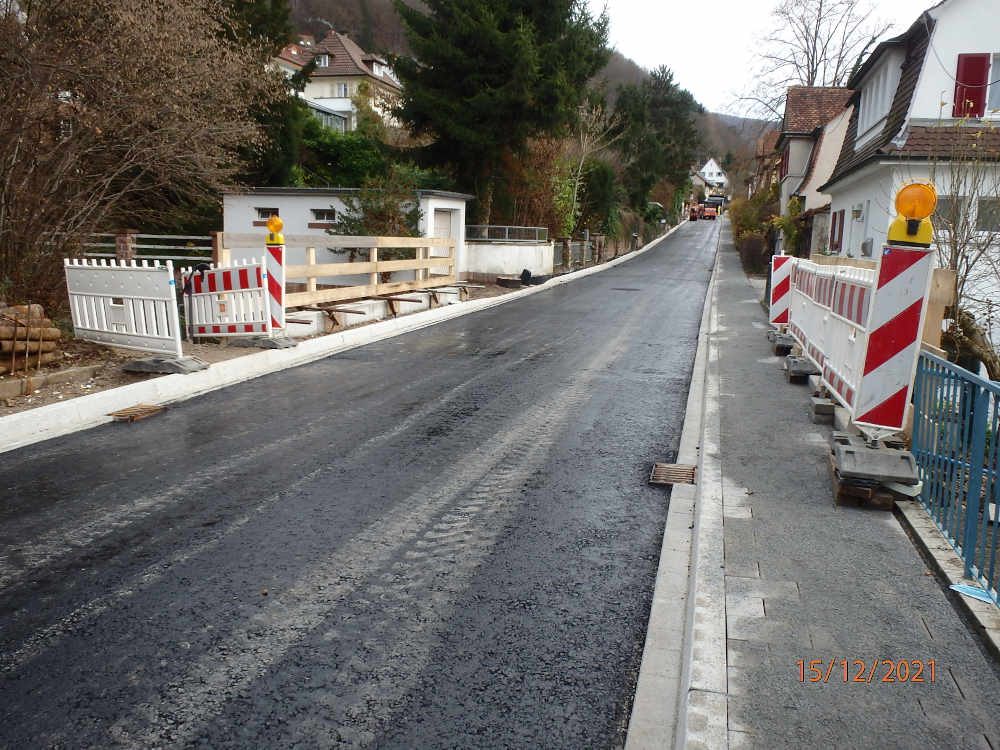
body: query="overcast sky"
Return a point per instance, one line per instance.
(710, 45)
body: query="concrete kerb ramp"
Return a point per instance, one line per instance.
(46, 422)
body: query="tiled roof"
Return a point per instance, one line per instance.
(916, 39)
(346, 59)
(295, 54)
(957, 141)
(767, 143)
(811, 107)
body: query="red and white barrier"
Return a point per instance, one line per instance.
(227, 301)
(861, 328)
(897, 316)
(782, 267)
(275, 259)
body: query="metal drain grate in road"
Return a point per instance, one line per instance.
(135, 413)
(672, 474)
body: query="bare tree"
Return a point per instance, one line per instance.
(813, 43)
(114, 112)
(596, 130)
(965, 167)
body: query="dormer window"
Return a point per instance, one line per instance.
(322, 61)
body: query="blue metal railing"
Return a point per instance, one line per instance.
(956, 432)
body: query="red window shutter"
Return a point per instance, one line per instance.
(970, 86)
(840, 230)
(833, 232)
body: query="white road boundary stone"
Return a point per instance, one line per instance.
(81, 413)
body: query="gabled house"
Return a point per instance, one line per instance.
(343, 70)
(714, 177)
(290, 61)
(815, 204)
(925, 105)
(807, 110)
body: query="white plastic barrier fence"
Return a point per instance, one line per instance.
(133, 306)
(782, 267)
(861, 328)
(829, 313)
(227, 301)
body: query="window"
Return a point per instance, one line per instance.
(947, 212)
(322, 61)
(876, 97)
(265, 213)
(836, 231)
(342, 90)
(988, 215)
(324, 214)
(971, 79)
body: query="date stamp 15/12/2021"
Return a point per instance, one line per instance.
(874, 671)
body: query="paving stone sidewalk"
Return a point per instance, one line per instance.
(807, 580)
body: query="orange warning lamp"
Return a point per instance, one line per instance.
(274, 227)
(914, 203)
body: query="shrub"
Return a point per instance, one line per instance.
(754, 252)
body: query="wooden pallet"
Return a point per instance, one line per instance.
(876, 498)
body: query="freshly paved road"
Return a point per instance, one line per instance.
(444, 539)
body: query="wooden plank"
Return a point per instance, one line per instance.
(409, 286)
(942, 286)
(311, 262)
(408, 264)
(329, 269)
(296, 299)
(415, 242)
(842, 260)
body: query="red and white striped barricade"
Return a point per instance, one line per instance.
(782, 267)
(861, 328)
(227, 301)
(132, 305)
(275, 259)
(895, 320)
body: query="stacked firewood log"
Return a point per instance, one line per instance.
(28, 339)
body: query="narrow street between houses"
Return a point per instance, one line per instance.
(444, 539)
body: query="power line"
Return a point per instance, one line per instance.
(946, 71)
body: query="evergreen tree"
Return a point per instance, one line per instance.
(487, 75)
(661, 136)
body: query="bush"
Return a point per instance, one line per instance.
(754, 252)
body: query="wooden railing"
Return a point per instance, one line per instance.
(373, 267)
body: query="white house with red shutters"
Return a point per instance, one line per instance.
(919, 100)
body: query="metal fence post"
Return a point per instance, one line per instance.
(977, 447)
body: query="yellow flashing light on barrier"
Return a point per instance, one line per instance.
(914, 203)
(274, 227)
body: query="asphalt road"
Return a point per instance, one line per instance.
(444, 539)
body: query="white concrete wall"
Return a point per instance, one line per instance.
(874, 189)
(498, 259)
(428, 205)
(962, 26)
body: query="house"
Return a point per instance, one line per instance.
(713, 175)
(343, 70)
(815, 204)
(766, 163)
(925, 105)
(698, 183)
(807, 110)
(290, 61)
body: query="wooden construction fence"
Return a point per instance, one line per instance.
(373, 267)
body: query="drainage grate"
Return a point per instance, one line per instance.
(135, 413)
(672, 474)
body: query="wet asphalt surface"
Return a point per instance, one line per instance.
(444, 539)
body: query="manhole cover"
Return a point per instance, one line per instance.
(135, 413)
(672, 474)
